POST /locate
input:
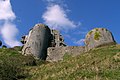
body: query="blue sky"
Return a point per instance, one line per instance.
(74, 18)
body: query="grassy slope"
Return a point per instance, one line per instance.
(12, 64)
(98, 64)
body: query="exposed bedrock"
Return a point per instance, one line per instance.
(37, 41)
(98, 37)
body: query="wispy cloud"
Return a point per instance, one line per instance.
(56, 17)
(54, 1)
(80, 32)
(8, 28)
(79, 42)
(50, 0)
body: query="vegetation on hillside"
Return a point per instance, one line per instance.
(98, 64)
(12, 64)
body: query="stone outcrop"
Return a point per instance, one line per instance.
(57, 53)
(98, 37)
(95, 38)
(37, 41)
(48, 44)
(24, 39)
(56, 40)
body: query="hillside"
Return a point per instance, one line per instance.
(98, 64)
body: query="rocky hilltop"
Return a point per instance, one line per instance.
(40, 37)
(98, 37)
(47, 44)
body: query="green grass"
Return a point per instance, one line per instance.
(12, 64)
(98, 64)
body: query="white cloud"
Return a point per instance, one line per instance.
(56, 18)
(54, 1)
(8, 29)
(79, 42)
(9, 32)
(6, 12)
(80, 32)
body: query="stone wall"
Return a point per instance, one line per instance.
(57, 39)
(48, 44)
(57, 53)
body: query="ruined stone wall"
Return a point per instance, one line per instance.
(57, 53)
(43, 42)
(57, 39)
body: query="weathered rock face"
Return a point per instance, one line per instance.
(37, 42)
(24, 39)
(56, 40)
(49, 45)
(98, 37)
(58, 53)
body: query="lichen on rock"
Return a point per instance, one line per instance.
(98, 37)
(48, 44)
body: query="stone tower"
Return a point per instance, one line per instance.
(37, 41)
(40, 37)
(57, 39)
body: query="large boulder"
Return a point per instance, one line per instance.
(37, 41)
(98, 37)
